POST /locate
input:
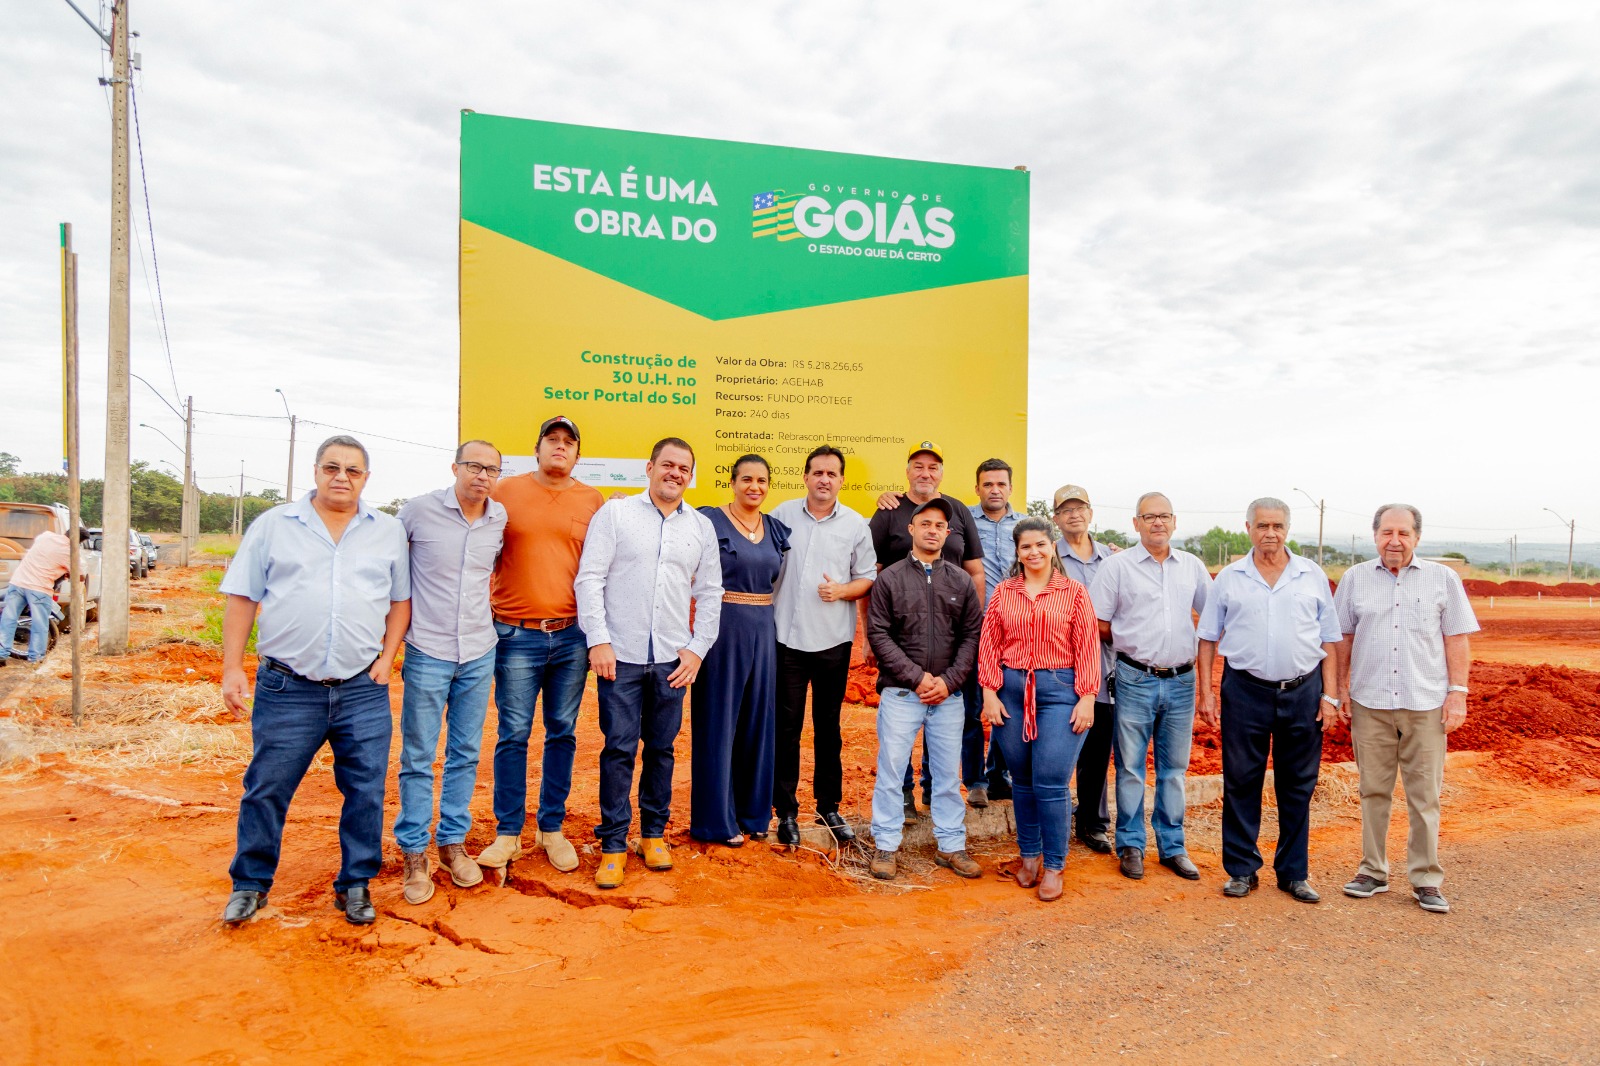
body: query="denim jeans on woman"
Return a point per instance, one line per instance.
(1159, 709)
(440, 695)
(1041, 767)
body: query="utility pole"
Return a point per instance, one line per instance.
(1322, 513)
(289, 495)
(114, 575)
(188, 522)
(238, 507)
(1572, 535)
(69, 383)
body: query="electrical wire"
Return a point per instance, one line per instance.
(155, 262)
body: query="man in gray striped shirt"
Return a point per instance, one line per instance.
(1403, 688)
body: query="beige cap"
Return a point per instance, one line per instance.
(1071, 492)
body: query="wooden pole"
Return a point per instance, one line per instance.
(69, 383)
(115, 519)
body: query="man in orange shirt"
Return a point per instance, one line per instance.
(541, 644)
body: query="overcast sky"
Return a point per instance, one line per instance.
(1349, 248)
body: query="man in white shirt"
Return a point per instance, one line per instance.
(644, 559)
(1403, 681)
(1143, 598)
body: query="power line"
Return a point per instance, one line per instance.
(149, 221)
(379, 436)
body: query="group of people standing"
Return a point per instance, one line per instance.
(1025, 652)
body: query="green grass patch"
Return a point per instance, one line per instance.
(211, 629)
(211, 580)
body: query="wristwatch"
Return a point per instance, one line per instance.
(1331, 700)
(1458, 688)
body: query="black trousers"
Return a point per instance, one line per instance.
(1091, 813)
(826, 673)
(1256, 720)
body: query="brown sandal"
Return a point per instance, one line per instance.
(1027, 874)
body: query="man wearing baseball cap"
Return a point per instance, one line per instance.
(924, 620)
(1081, 556)
(891, 539)
(541, 646)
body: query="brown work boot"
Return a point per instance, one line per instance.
(559, 850)
(883, 865)
(463, 871)
(418, 886)
(655, 853)
(613, 865)
(1050, 886)
(959, 863)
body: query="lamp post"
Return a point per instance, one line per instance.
(1572, 534)
(1322, 509)
(289, 493)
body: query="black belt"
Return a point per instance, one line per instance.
(1279, 686)
(1155, 671)
(333, 682)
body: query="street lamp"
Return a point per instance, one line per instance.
(1572, 533)
(169, 440)
(292, 421)
(1321, 506)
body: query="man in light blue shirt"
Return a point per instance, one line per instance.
(1144, 598)
(1271, 618)
(455, 535)
(1081, 557)
(331, 580)
(644, 559)
(995, 521)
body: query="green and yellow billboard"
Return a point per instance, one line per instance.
(745, 297)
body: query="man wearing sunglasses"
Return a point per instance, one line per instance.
(331, 580)
(455, 535)
(542, 648)
(1145, 598)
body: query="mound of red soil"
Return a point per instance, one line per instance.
(1479, 587)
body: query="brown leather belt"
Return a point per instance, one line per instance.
(543, 625)
(749, 599)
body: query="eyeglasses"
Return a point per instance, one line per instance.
(478, 468)
(1072, 508)
(354, 473)
(1165, 517)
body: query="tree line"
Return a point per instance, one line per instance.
(155, 498)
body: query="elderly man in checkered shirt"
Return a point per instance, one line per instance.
(1403, 685)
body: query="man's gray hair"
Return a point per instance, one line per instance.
(462, 450)
(1265, 503)
(1416, 516)
(1138, 508)
(343, 440)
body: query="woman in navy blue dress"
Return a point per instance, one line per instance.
(732, 705)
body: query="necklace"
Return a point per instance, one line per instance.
(752, 535)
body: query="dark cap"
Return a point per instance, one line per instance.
(559, 420)
(938, 503)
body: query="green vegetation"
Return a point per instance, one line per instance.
(155, 498)
(211, 629)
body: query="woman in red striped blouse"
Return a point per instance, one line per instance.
(1039, 628)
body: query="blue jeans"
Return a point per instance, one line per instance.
(900, 715)
(37, 605)
(1159, 709)
(1041, 767)
(638, 706)
(431, 686)
(527, 661)
(289, 723)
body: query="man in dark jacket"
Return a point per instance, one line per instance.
(923, 624)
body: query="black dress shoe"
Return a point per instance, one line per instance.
(911, 807)
(999, 790)
(356, 904)
(840, 828)
(1301, 890)
(1097, 842)
(1180, 865)
(789, 831)
(242, 905)
(1239, 887)
(1132, 863)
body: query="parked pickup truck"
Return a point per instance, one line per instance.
(20, 523)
